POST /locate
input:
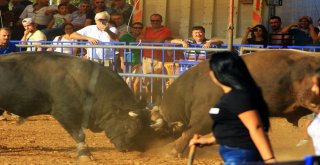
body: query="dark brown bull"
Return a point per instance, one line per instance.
(283, 75)
(78, 93)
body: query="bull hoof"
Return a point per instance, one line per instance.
(85, 158)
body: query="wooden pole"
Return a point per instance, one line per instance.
(192, 151)
(230, 28)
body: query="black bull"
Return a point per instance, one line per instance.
(77, 93)
(283, 75)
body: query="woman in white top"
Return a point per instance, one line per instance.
(65, 40)
(314, 127)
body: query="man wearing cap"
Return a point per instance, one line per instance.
(31, 33)
(97, 34)
(5, 45)
(303, 32)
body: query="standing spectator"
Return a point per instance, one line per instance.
(314, 127)
(5, 45)
(259, 36)
(120, 6)
(78, 18)
(156, 33)
(133, 59)
(31, 33)
(99, 6)
(122, 28)
(38, 13)
(198, 37)
(152, 61)
(303, 32)
(101, 32)
(241, 117)
(55, 26)
(65, 40)
(277, 36)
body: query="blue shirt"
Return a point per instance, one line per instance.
(11, 47)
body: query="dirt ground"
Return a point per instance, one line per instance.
(41, 140)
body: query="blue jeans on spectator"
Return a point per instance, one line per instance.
(232, 155)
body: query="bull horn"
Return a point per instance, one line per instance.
(133, 114)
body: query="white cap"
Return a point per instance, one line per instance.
(27, 21)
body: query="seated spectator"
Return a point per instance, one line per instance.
(65, 40)
(5, 45)
(99, 6)
(17, 8)
(198, 37)
(31, 33)
(38, 12)
(101, 32)
(120, 6)
(276, 36)
(259, 36)
(122, 28)
(78, 18)
(5, 13)
(70, 7)
(303, 32)
(132, 60)
(55, 26)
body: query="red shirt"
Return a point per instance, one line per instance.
(157, 35)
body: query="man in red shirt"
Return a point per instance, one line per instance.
(156, 33)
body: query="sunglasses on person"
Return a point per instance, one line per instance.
(103, 21)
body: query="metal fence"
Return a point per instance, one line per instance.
(174, 59)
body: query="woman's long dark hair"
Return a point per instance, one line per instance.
(265, 34)
(230, 70)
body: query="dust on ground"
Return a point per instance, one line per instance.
(41, 140)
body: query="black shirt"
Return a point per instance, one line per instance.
(228, 128)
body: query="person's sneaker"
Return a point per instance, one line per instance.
(2, 118)
(302, 142)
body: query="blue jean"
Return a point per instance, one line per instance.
(232, 156)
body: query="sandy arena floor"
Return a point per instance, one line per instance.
(41, 140)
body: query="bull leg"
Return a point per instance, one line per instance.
(70, 122)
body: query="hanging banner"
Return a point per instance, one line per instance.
(257, 12)
(137, 11)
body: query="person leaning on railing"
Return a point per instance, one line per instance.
(198, 37)
(95, 34)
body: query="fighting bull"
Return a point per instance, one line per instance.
(283, 76)
(79, 94)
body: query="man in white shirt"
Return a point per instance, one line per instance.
(98, 34)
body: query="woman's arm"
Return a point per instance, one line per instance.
(253, 123)
(245, 36)
(203, 141)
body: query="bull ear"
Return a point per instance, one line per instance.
(133, 114)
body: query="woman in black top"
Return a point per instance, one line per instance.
(241, 117)
(259, 36)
